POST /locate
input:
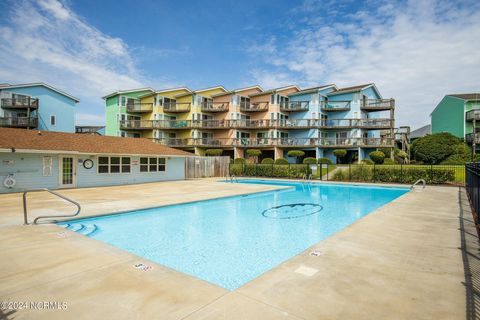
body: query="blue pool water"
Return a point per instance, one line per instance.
(231, 241)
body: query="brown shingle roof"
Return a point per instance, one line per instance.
(466, 96)
(81, 143)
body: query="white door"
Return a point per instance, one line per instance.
(68, 171)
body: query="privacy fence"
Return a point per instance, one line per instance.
(432, 174)
(205, 167)
(472, 171)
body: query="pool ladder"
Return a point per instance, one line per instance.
(424, 183)
(25, 211)
(307, 178)
(232, 178)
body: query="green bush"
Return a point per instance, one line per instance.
(367, 161)
(268, 161)
(236, 169)
(340, 175)
(340, 153)
(281, 161)
(213, 152)
(309, 161)
(276, 171)
(239, 161)
(296, 153)
(253, 152)
(377, 156)
(388, 161)
(324, 160)
(401, 154)
(435, 148)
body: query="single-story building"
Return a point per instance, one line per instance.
(32, 159)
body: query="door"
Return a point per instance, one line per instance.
(67, 172)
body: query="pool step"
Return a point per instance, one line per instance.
(86, 230)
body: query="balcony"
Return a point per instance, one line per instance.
(328, 106)
(19, 122)
(136, 124)
(378, 104)
(177, 107)
(296, 123)
(174, 124)
(355, 142)
(138, 107)
(355, 123)
(471, 137)
(295, 106)
(215, 106)
(254, 107)
(473, 115)
(196, 142)
(19, 103)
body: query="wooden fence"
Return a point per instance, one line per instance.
(206, 167)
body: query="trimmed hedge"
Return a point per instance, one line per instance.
(268, 170)
(268, 161)
(239, 161)
(395, 174)
(367, 161)
(213, 152)
(309, 160)
(377, 156)
(281, 161)
(388, 161)
(324, 160)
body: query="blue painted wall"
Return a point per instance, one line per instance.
(51, 103)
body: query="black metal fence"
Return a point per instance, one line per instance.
(395, 173)
(472, 174)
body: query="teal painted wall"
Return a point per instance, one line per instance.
(28, 172)
(449, 116)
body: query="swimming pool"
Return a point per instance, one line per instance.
(230, 241)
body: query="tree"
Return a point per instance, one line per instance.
(267, 161)
(377, 156)
(239, 161)
(281, 161)
(254, 153)
(296, 154)
(213, 152)
(339, 154)
(324, 160)
(435, 148)
(309, 160)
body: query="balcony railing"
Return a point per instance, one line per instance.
(254, 107)
(136, 124)
(469, 138)
(276, 142)
(473, 114)
(355, 123)
(343, 105)
(20, 103)
(19, 122)
(378, 104)
(138, 107)
(292, 106)
(177, 107)
(215, 106)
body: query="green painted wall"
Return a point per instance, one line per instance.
(112, 108)
(449, 116)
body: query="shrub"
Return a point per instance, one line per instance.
(367, 161)
(213, 152)
(254, 152)
(296, 153)
(281, 161)
(278, 171)
(435, 148)
(268, 161)
(236, 169)
(340, 175)
(309, 160)
(377, 156)
(324, 160)
(401, 154)
(339, 154)
(388, 161)
(239, 161)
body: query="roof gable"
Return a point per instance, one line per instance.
(127, 91)
(39, 84)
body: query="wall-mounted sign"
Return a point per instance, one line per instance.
(8, 162)
(135, 162)
(88, 164)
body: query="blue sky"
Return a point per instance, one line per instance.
(415, 51)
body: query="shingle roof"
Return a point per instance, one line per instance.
(466, 96)
(22, 139)
(351, 89)
(421, 132)
(127, 91)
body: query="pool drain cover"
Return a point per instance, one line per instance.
(292, 211)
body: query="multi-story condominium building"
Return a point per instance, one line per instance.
(37, 106)
(459, 114)
(315, 120)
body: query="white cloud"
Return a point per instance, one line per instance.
(415, 52)
(44, 41)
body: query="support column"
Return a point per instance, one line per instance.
(278, 153)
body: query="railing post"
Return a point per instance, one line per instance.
(374, 167)
(431, 173)
(401, 172)
(288, 173)
(349, 172)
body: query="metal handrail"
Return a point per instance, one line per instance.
(25, 213)
(424, 183)
(232, 178)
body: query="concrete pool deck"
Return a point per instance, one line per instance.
(402, 261)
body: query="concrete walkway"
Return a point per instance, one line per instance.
(400, 262)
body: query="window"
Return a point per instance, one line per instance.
(123, 101)
(114, 165)
(153, 164)
(53, 120)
